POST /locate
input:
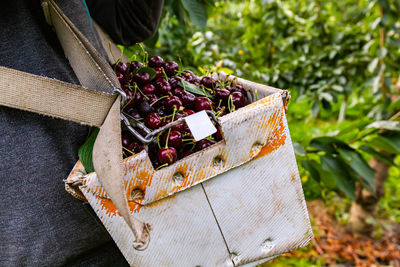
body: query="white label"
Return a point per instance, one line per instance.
(200, 125)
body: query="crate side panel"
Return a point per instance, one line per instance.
(260, 206)
(184, 231)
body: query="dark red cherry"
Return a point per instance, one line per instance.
(151, 99)
(121, 67)
(188, 99)
(145, 108)
(222, 94)
(121, 78)
(161, 110)
(172, 102)
(239, 88)
(133, 113)
(218, 135)
(204, 143)
(171, 67)
(141, 77)
(134, 65)
(174, 139)
(126, 139)
(238, 99)
(174, 82)
(129, 101)
(188, 112)
(159, 72)
(167, 155)
(179, 91)
(208, 82)
(156, 61)
(148, 88)
(202, 103)
(135, 147)
(153, 121)
(162, 86)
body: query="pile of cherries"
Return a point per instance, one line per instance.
(157, 95)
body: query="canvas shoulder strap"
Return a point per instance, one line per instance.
(99, 107)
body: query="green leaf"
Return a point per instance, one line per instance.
(389, 142)
(194, 88)
(386, 125)
(298, 149)
(338, 170)
(149, 70)
(311, 167)
(85, 151)
(197, 12)
(326, 143)
(358, 165)
(382, 157)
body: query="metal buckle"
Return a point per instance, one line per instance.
(150, 135)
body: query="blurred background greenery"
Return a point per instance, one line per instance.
(340, 62)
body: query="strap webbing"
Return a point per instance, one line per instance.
(54, 98)
(94, 71)
(98, 108)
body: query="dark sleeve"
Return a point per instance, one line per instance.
(127, 21)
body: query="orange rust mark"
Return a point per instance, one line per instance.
(276, 139)
(134, 207)
(109, 207)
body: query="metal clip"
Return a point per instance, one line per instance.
(122, 94)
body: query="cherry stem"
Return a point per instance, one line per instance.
(158, 140)
(165, 75)
(128, 150)
(162, 166)
(180, 61)
(158, 100)
(219, 104)
(137, 87)
(231, 106)
(169, 130)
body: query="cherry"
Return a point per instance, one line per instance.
(218, 134)
(121, 77)
(171, 67)
(174, 82)
(229, 88)
(133, 113)
(163, 87)
(188, 112)
(172, 102)
(238, 99)
(222, 94)
(156, 61)
(202, 103)
(153, 121)
(239, 88)
(126, 139)
(148, 88)
(135, 147)
(188, 99)
(135, 65)
(159, 72)
(141, 77)
(174, 139)
(138, 97)
(129, 94)
(167, 155)
(152, 98)
(145, 108)
(208, 82)
(179, 91)
(122, 67)
(187, 75)
(204, 143)
(162, 111)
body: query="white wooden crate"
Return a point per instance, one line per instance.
(244, 210)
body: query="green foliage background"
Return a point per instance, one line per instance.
(329, 55)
